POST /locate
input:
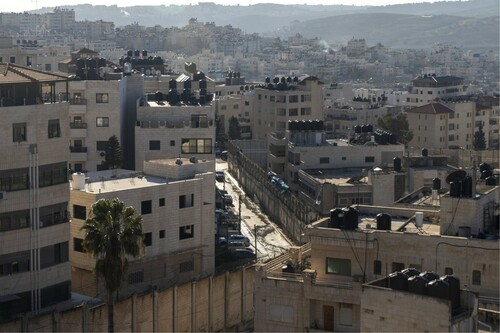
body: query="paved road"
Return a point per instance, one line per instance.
(270, 240)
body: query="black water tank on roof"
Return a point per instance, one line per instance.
(321, 125)
(102, 62)
(276, 79)
(301, 125)
(396, 161)
(91, 62)
(398, 281)
(486, 173)
(384, 221)
(455, 189)
(172, 84)
(336, 218)
(137, 53)
(425, 152)
(283, 79)
(351, 216)
(429, 275)
(467, 187)
(357, 129)
(392, 138)
(92, 74)
(369, 128)
(267, 80)
(490, 181)
(436, 184)
(364, 129)
(484, 166)
(203, 84)
(187, 84)
(454, 287)
(417, 284)
(130, 53)
(159, 96)
(291, 125)
(411, 271)
(438, 288)
(80, 63)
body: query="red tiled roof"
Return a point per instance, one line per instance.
(431, 108)
(12, 73)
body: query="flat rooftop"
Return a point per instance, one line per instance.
(338, 177)
(118, 180)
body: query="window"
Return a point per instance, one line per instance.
(305, 111)
(196, 146)
(272, 98)
(293, 112)
(101, 98)
(397, 266)
(19, 132)
(344, 158)
(293, 99)
(476, 278)
(102, 121)
(369, 159)
(154, 145)
(172, 143)
(101, 145)
(161, 234)
(79, 212)
(148, 239)
(346, 314)
(48, 67)
(377, 267)
(54, 254)
(338, 266)
(281, 313)
(146, 207)
(324, 160)
(199, 121)
(136, 277)
(448, 271)
(186, 232)
(12, 60)
(54, 129)
(78, 244)
(305, 98)
(14, 220)
(186, 266)
(186, 201)
(161, 202)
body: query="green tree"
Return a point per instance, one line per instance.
(234, 132)
(397, 125)
(220, 136)
(112, 154)
(479, 139)
(112, 232)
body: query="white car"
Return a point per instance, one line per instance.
(239, 238)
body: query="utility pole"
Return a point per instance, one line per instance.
(239, 214)
(255, 237)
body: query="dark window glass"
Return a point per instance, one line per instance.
(186, 232)
(154, 145)
(19, 132)
(186, 266)
(79, 212)
(369, 159)
(377, 267)
(448, 271)
(148, 239)
(186, 201)
(101, 98)
(146, 207)
(476, 278)
(162, 234)
(54, 129)
(338, 266)
(78, 244)
(161, 202)
(101, 145)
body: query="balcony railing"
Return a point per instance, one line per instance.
(74, 149)
(78, 101)
(78, 125)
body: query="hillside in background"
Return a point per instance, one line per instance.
(471, 24)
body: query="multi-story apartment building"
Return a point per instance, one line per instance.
(176, 199)
(34, 230)
(428, 88)
(330, 294)
(454, 124)
(284, 99)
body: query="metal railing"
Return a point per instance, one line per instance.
(74, 149)
(78, 101)
(78, 125)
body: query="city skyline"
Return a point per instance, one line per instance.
(28, 5)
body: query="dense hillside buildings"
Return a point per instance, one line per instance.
(35, 271)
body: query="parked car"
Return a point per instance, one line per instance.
(236, 244)
(219, 176)
(239, 238)
(222, 241)
(242, 254)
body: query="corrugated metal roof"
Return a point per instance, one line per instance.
(12, 73)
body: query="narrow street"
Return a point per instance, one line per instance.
(271, 242)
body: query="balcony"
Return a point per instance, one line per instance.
(78, 153)
(77, 105)
(78, 130)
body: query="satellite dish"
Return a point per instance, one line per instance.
(456, 176)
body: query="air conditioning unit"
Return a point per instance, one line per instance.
(2, 195)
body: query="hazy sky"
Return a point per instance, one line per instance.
(23, 5)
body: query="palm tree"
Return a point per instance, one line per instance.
(112, 232)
